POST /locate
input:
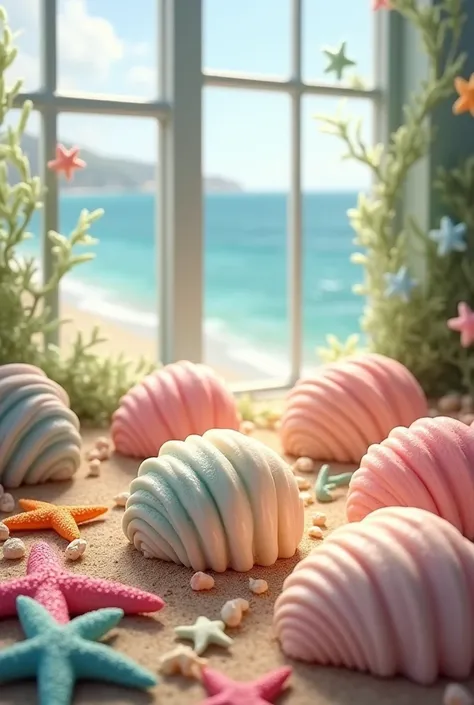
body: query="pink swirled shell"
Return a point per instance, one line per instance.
(429, 465)
(348, 405)
(172, 403)
(393, 594)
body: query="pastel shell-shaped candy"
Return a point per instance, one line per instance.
(172, 403)
(346, 406)
(221, 500)
(39, 434)
(392, 594)
(429, 465)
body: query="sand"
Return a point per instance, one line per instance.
(255, 650)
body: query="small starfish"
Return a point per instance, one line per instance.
(399, 284)
(225, 691)
(66, 161)
(184, 661)
(203, 633)
(43, 515)
(464, 324)
(62, 592)
(381, 5)
(60, 654)
(465, 102)
(449, 237)
(338, 61)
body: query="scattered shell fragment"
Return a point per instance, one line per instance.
(7, 503)
(14, 548)
(182, 661)
(303, 483)
(307, 498)
(319, 519)
(315, 532)
(456, 694)
(4, 531)
(94, 467)
(304, 465)
(233, 610)
(121, 499)
(93, 454)
(75, 549)
(247, 427)
(202, 581)
(102, 442)
(258, 586)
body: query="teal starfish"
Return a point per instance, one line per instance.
(59, 654)
(338, 61)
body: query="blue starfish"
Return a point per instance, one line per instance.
(59, 654)
(399, 284)
(449, 237)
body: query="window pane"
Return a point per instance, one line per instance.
(117, 290)
(247, 36)
(325, 26)
(246, 140)
(106, 47)
(23, 16)
(331, 187)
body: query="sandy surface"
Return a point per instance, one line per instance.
(255, 650)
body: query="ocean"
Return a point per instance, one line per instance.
(245, 270)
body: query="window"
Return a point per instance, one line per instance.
(169, 97)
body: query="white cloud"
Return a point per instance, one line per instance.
(139, 50)
(143, 79)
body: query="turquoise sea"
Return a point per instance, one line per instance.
(245, 269)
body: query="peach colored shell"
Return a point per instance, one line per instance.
(39, 434)
(346, 406)
(393, 594)
(429, 465)
(221, 500)
(171, 404)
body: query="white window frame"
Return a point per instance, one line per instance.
(178, 113)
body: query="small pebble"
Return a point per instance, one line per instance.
(7, 503)
(94, 468)
(75, 549)
(4, 531)
(303, 483)
(121, 499)
(456, 694)
(13, 548)
(102, 442)
(232, 611)
(304, 465)
(315, 532)
(450, 403)
(258, 586)
(307, 498)
(202, 581)
(247, 427)
(319, 519)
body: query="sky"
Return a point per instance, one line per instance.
(104, 47)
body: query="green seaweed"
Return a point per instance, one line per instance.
(94, 383)
(413, 329)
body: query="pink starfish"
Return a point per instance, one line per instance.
(464, 324)
(225, 691)
(66, 161)
(380, 5)
(62, 593)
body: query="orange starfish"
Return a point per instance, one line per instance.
(465, 102)
(43, 515)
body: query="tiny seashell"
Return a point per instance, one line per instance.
(319, 519)
(202, 581)
(315, 532)
(232, 611)
(93, 454)
(456, 694)
(258, 586)
(4, 531)
(94, 467)
(304, 465)
(307, 498)
(13, 549)
(247, 427)
(121, 499)
(102, 442)
(75, 549)
(7, 503)
(303, 483)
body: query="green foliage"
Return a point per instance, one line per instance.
(94, 384)
(336, 349)
(415, 331)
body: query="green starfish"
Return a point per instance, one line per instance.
(59, 654)
(203, 633)
(338, 61)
